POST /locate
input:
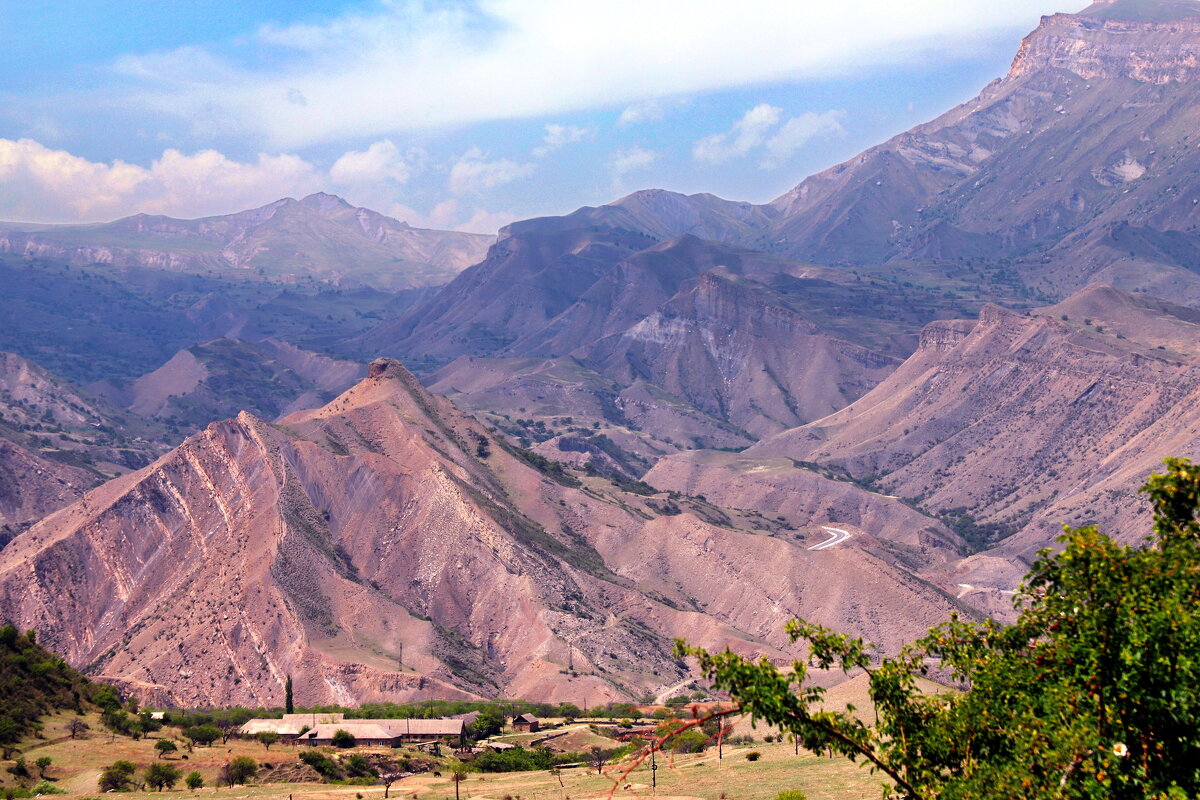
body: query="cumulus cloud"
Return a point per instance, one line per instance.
(637, 113)
(558, 136)
(631, 159)
(759, 128)
(473, 173)
(380, 161)
(746, 134)
(797, 131)
(40, 184)
(45, 185)
(460, 63)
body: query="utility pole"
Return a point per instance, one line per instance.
(653, 772)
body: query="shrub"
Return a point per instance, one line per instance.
(159, 776)
(323, 764)
(194, 780)
(791, 794)
(753, 755)
(343, 739)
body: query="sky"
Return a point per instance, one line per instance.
(466, 114)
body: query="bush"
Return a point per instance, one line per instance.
(323, 764)
(117, 776)
(241, 770)
(202, 734)
(753, 755)
(791, 794)
(46, 787)
(343, 739)
(194, 780)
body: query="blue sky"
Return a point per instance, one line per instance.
(466, 114)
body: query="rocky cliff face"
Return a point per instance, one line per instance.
(1027, 422)
(386, 546)
(57, 442)
(1078, 166)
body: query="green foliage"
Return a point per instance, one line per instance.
(36, 682)
(267, 738)
(791, 794)
(753, 755)
(161, 776)
(1091, 693)
(117, 776)
(241, 770)
(327, 767)
(519, 759)
(357, 766)
(194, 780)
(342, 738)
(45, 787)
(202, 734)
(288, 706)
(489, 722)
(164, 746)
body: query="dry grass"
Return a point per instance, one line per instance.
(77, 765)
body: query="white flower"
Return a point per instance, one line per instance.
(1119, 749)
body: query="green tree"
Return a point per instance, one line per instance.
(117, 776)
(288, 706)
(1091, 693)
(241, 770)
(202, 734)
(342, 738)
(267, 738)
(194, 781)
(43, 764)
(161, 776)
(164, 746)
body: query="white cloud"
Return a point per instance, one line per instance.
(759, 128)
(411, 65)
(797, 132)
(45, 185)
(558, 136)
(746, 134)
(645, 111)
(379, 162)
(631, 159)
(472, 173)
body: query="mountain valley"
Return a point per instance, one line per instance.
(396, 463)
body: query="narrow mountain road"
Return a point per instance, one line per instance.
(836, 536)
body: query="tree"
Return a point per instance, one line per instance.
(159, 776)
(77, 727)
(1089, 694)
(202, 734)
(117, 776)
(194, 781)
(240, 770)
(164, 746)
(343, 738)
(458, 776)
(267, 738)
(43, 764)
(597, 758)
(288, 706)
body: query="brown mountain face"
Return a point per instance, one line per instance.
(1078, 166)
(388, 547)
(320, 236)
(223, 377)
(56, 443)
(1026, 422)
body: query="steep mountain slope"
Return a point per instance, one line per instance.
(386, 546)
(1080, 164)
(320, 236)
(1026, 422)
(222, 377)
(56, 442)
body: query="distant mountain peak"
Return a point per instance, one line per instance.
(1143, 10)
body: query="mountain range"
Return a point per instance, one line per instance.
(869, 403)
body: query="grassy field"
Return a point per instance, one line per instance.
(76, 766)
